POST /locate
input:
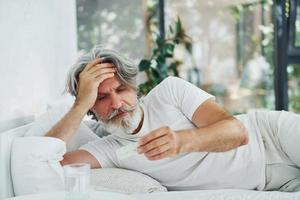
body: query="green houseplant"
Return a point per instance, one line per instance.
(162, 62)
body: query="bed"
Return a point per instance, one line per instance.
(6, 185)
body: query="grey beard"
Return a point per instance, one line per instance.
(128, 124)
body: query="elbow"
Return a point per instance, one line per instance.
(242, 134)
(66, 159)
(63, 162)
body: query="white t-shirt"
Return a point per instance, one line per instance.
(172, 103)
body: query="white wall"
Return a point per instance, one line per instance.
(37, 46)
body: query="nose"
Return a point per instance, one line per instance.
(116, 102)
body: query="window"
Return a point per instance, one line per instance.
(115, 24)
(232, 50)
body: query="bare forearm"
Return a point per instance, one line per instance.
(67, 126)
(219, 137)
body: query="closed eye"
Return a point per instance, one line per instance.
(101, 97)
(121, 88)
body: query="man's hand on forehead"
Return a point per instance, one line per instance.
(99, 65)
(93, 74)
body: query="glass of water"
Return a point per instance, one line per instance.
(77, 181)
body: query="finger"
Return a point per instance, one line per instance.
(153, 144)
(152, 135)
(161, 155)
(102, 77)
(158, 150)
(103, 71)
(92, 63)
(106, 64)
(100, 66)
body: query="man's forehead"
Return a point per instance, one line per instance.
(108, 84)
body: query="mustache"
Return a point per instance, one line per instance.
(123, 109)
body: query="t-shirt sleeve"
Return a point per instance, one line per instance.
(104, 150)
(182, 94)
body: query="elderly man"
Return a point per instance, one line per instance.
(185, 140)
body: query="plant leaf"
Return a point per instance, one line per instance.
(160, 41)
(144, 64)
(178, 27)
(189, 47)
(169, 49)
(171, 29)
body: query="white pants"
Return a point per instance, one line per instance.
(280, 131)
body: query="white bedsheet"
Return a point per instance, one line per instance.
(183, 195)
(228, 194)
(6, 186)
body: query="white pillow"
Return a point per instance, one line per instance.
(47, 120)
(35, 166)
(124, 181)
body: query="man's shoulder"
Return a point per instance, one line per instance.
(170, 80)
(165, 84)
(164, 93)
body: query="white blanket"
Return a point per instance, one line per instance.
(35, 169)
(219, 195)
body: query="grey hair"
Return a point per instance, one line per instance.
(126, 70)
